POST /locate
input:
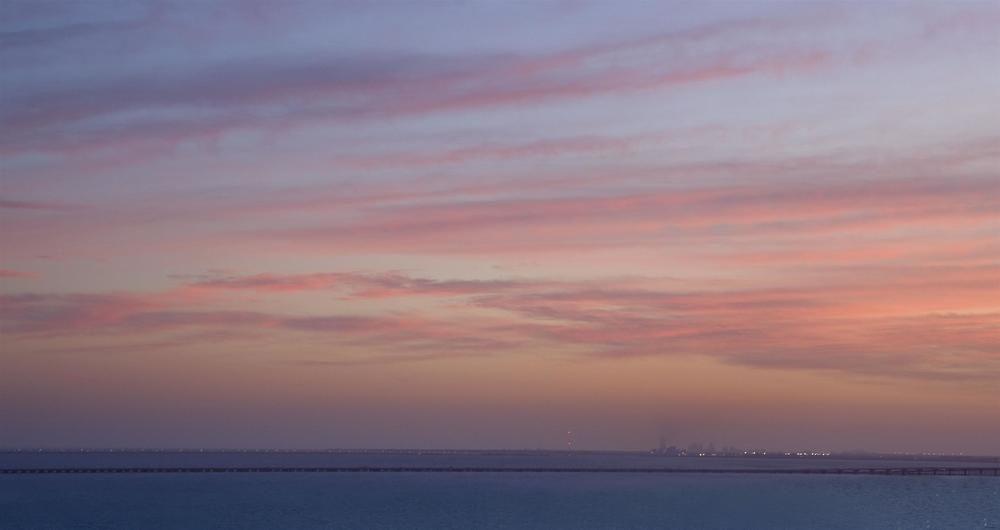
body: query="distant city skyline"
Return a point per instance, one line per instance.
(489, 225)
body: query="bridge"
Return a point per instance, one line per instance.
(884, 471)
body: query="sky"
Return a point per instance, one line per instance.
(474, 225)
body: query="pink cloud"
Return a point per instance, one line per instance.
(562, 146)
(178, 319)
(377, 86)
(936, 322)
(9, 273)
(354, 284)
(724, 212)
(813, 329)
(880, 211)
(380, 86)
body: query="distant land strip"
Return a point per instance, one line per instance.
(898, 471)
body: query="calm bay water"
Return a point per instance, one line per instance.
(487, 500)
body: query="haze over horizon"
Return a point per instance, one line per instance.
(445, 225)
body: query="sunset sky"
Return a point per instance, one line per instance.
(481, 225)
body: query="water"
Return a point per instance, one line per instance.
(490, 500)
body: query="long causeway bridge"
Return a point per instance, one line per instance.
(887, 471)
